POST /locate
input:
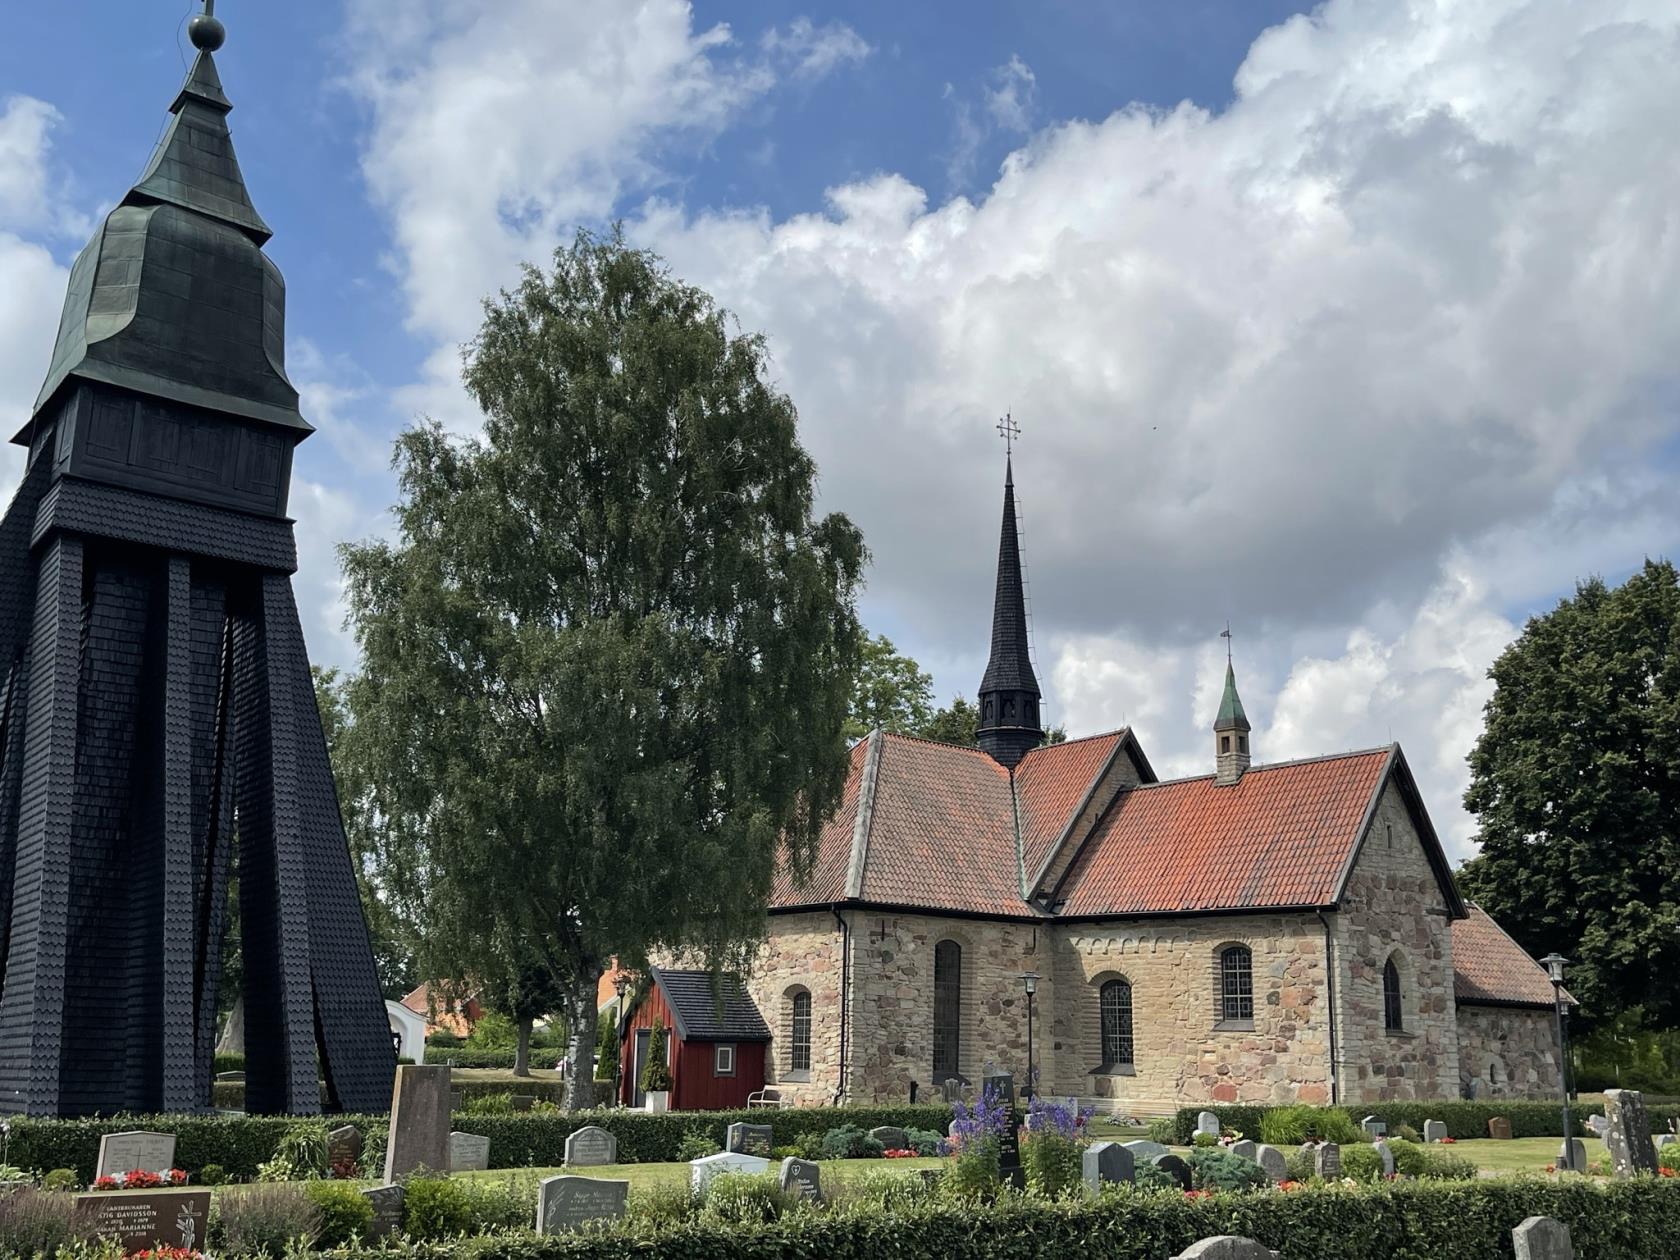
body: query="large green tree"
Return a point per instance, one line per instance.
(892, 692)
(1575, 783)
(607, 659)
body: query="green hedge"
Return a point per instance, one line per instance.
(1463, 1119)
(230, 1095)
(1618, 1221)
(520, 1140)
(463, 1057)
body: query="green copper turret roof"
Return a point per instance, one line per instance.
(1231, 716)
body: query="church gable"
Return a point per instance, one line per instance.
(1061, 791)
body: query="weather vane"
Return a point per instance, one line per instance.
(1008, 430)
(1226, 635)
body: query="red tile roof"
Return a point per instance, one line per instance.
(1281, 836)
(1050, 784)
(1490, 967)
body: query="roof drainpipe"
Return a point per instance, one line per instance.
(845, 1000)
(1330, 996)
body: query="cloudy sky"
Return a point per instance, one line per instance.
(1354, 325)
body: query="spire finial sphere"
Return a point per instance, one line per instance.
(205, 31)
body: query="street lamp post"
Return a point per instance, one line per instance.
(1554, 964)
(621, 986)
(1029, 982)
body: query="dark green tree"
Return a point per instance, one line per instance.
(959, 723)
(892, 692)
(1575, 785)
(528, 991)
(608, 658)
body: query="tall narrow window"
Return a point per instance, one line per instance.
(1391, 997)
(799, 1036)
(1116, 1001)
(947, 1009)
(1236, 982)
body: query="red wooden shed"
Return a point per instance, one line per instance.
(715, 1041)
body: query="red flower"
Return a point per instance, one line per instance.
(1290, 1185)
(1449, 1141)
(141, 1179)
(344, 1169)
(107, 1182)
(899, 1153)
(177, 1177)
(1198, 1194)
(1666, 1172)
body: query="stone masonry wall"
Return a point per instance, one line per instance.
(1183, 1053)
(1508, 1052)
(1394, 908)
(802, 952)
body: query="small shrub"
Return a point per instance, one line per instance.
(925, 1142)
(976, 1171)
(342, 1212)
(746, 1199)
(1164, 1129)
(1052, 1163)
(808, 1146)
(696, 1144)
(498, 1104)
(850, 1142)
(300, 1155)
(436, 1208)
(1215, 1168)
(1443, 1165)
(656, 1074)
(370, 1165)
(1364, 1163)
(61, 1179)
(1669, 1157)
(32, 1222)
(1301, 1165)
(1290, 1126)
(662, 1205)
(880, 1190)
(1406, 1132)
(212, 1175)
(261, 1221)
(1148, 1177)
(503, 1203)
(1205, 1139)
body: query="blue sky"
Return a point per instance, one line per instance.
(1348, 324)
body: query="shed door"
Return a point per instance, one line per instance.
(638, 1097)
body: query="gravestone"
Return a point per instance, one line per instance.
(387, 1205)
(1666, 1139)
(1143, 1151)
(1373, 1127)
(1226, 1247)
(523, 1102)
(1628, 1136)
(457, 1100)
(344, 1145)
(805, 1179)
(419, 1133)
(1273, 1162)
(1598, 1124)
(1386, 1155)
(702, 1171)
(1542, 1238)
(565, 1203)
(1001, 1086)
(468, 1152)
(748, 1139)
(1175, 1168)
(1327, 1161)
(1207, 1122)
(1572, 1155)
(951, 1089)
(124, 1152)
(1245, 1150)
(891, 1137)
(1434, 1130)
(1106, 1163)
(1499, 1128)
(143, 1219)
(591, 1147)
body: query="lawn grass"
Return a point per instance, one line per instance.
(503, 1076)
(647, 1176)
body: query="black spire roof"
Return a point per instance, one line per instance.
(1009, 695)
(173, 298)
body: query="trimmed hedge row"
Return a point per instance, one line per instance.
(1618, 1221)
(1463, 1119)
(230, 1095)
(520, 1140)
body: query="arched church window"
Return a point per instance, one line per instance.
(1393, 1019)
(947, 1009)
(799, 1034)
(1115, 999)
(1236, 982)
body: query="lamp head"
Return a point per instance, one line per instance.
(1029, 981)
(621, 984)
(1554, 964)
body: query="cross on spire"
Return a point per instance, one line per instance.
(1226, 635)
(1008, 430)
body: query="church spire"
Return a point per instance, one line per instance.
(1009, 695)
(1230, 728)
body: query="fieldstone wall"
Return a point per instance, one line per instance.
(1508, 1052)
(1183, 1051)
(1394, 908)
(803, 952)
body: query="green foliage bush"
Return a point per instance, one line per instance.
(436, 1208)
(850, 1141)
(211, 1175)
(697, 1144)
(1164, 1129)
(239, 1144)
(1363, 1163)
(1464, 1120)
(656, 1073)
(925, 1142)
(1052, 1163)
(975, 1171)
(341, 1210)
(660, 1206)
(32, 1222)
(1290, 1126)
(262, 1220)
(882, 1190)
(747, 1199)
(61, 1179)
(1215, 1168)
(300, 1155)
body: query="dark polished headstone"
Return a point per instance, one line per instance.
(748, 1139)
(143, 1219)
(1627, 1135)
(387, 1205)
(803, 1178)
(566, 1203)
(1105, 1163)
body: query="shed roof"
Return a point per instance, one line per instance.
(702, 1013)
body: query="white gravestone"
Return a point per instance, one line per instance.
(1207, 1122)
(120, 1153)
(1226, 1247)
(591, 1147)
(1542, 1238)
(1386, 1155)
(468, 1152)
(1245, 1150)
(1434, 1130)
(702, 1171)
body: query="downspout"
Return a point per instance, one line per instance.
(1330, 997)
(845, 1000)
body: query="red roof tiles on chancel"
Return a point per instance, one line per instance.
(1050, 784)
(827, 880)
(1279, 837)
(1490, 967)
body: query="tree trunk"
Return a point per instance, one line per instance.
(522, 1048)
(580, 1046)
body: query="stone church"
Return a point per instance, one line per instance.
(1266, 933)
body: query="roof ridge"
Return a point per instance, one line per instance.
(1119, 731)
(1383, 750)
(939, 743)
